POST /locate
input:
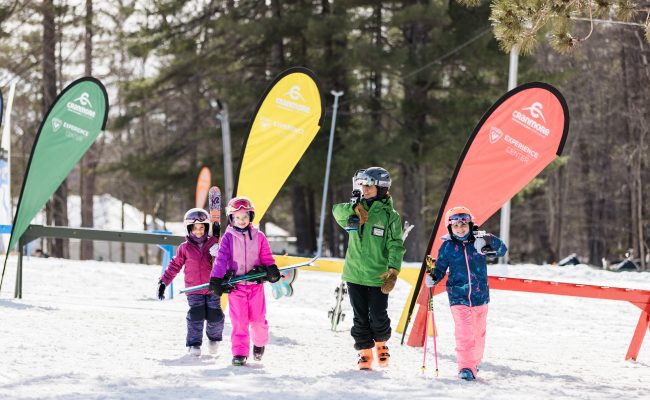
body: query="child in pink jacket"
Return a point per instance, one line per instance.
(243, 249)
(195, 255)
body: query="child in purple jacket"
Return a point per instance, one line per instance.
(244, 248)
(196, 255)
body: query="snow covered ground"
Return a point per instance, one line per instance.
(92, 330)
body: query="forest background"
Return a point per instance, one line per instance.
(416, 75)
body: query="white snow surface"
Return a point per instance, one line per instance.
(94, 330)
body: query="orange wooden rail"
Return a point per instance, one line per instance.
(640, 298)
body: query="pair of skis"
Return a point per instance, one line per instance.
(336, 314)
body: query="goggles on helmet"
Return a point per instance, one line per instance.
(196, 217)
(239, 204)
(458, 219)
(363, 179)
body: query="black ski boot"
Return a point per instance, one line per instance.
(238, 361)
(258, 352)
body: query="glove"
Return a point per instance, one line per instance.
(259, 269)
(356, 197)
(361, 213)
(273, 273)
(216, 229)
(390, 278)
(214, 249)
(483, 244)
(216, 286)
(161, 289)
(431, 280)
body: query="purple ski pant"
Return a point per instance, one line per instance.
(204, 307)
(247, 307)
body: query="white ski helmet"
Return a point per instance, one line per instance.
(195, 216)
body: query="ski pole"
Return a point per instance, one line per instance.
(426, 339)
(435, 329)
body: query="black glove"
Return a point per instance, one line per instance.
(216, 229)
(161, 289)
(260, 269)
(273, 273)
(356, 197)
(216, 286)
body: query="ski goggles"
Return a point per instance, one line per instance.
(196, 217)
(240, 204)
(458, 219)
(363, 179)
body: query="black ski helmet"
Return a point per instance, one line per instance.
(378, 176)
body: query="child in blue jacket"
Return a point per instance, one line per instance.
(467, 285)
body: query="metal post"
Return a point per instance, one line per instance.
(227, 150)
(321, 227)
(18, 291)
(505, 210)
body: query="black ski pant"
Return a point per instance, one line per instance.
(371, 323)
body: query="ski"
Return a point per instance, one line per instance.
(249, 277)
(214, 205)
(336, 314)
(284, 287)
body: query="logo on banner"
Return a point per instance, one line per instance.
(536, 110)
(82, 106)
(521, 147)
(56, 124)
(495, 134)
(266, 123)
(290, 101)
(532, 120)
(294, 94)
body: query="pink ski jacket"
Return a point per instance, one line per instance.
(239, 252)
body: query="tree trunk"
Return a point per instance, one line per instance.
(87, 174)
(58, 207)
(301, 223)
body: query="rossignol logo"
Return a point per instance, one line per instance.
(56, 124)
(290, 102)
(530, 122)
(495, 134)
(82, 106)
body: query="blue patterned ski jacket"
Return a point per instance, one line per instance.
(468, 279)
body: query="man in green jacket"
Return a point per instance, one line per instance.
(372, 262)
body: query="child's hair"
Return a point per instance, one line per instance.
(196, 216)
(240, 204)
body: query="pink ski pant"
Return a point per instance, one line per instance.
(470, 324)
(247, 308)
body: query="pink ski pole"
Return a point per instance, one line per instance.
(426, 339)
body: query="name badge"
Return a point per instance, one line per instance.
(377, 231)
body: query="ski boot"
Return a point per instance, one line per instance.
(258, 352)
(195, 351)
(466, 374)
(213, 347)
(238, 361)
(365, 359)
(382, 354)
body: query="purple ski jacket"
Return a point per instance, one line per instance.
(197, 262)
(239, 252)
